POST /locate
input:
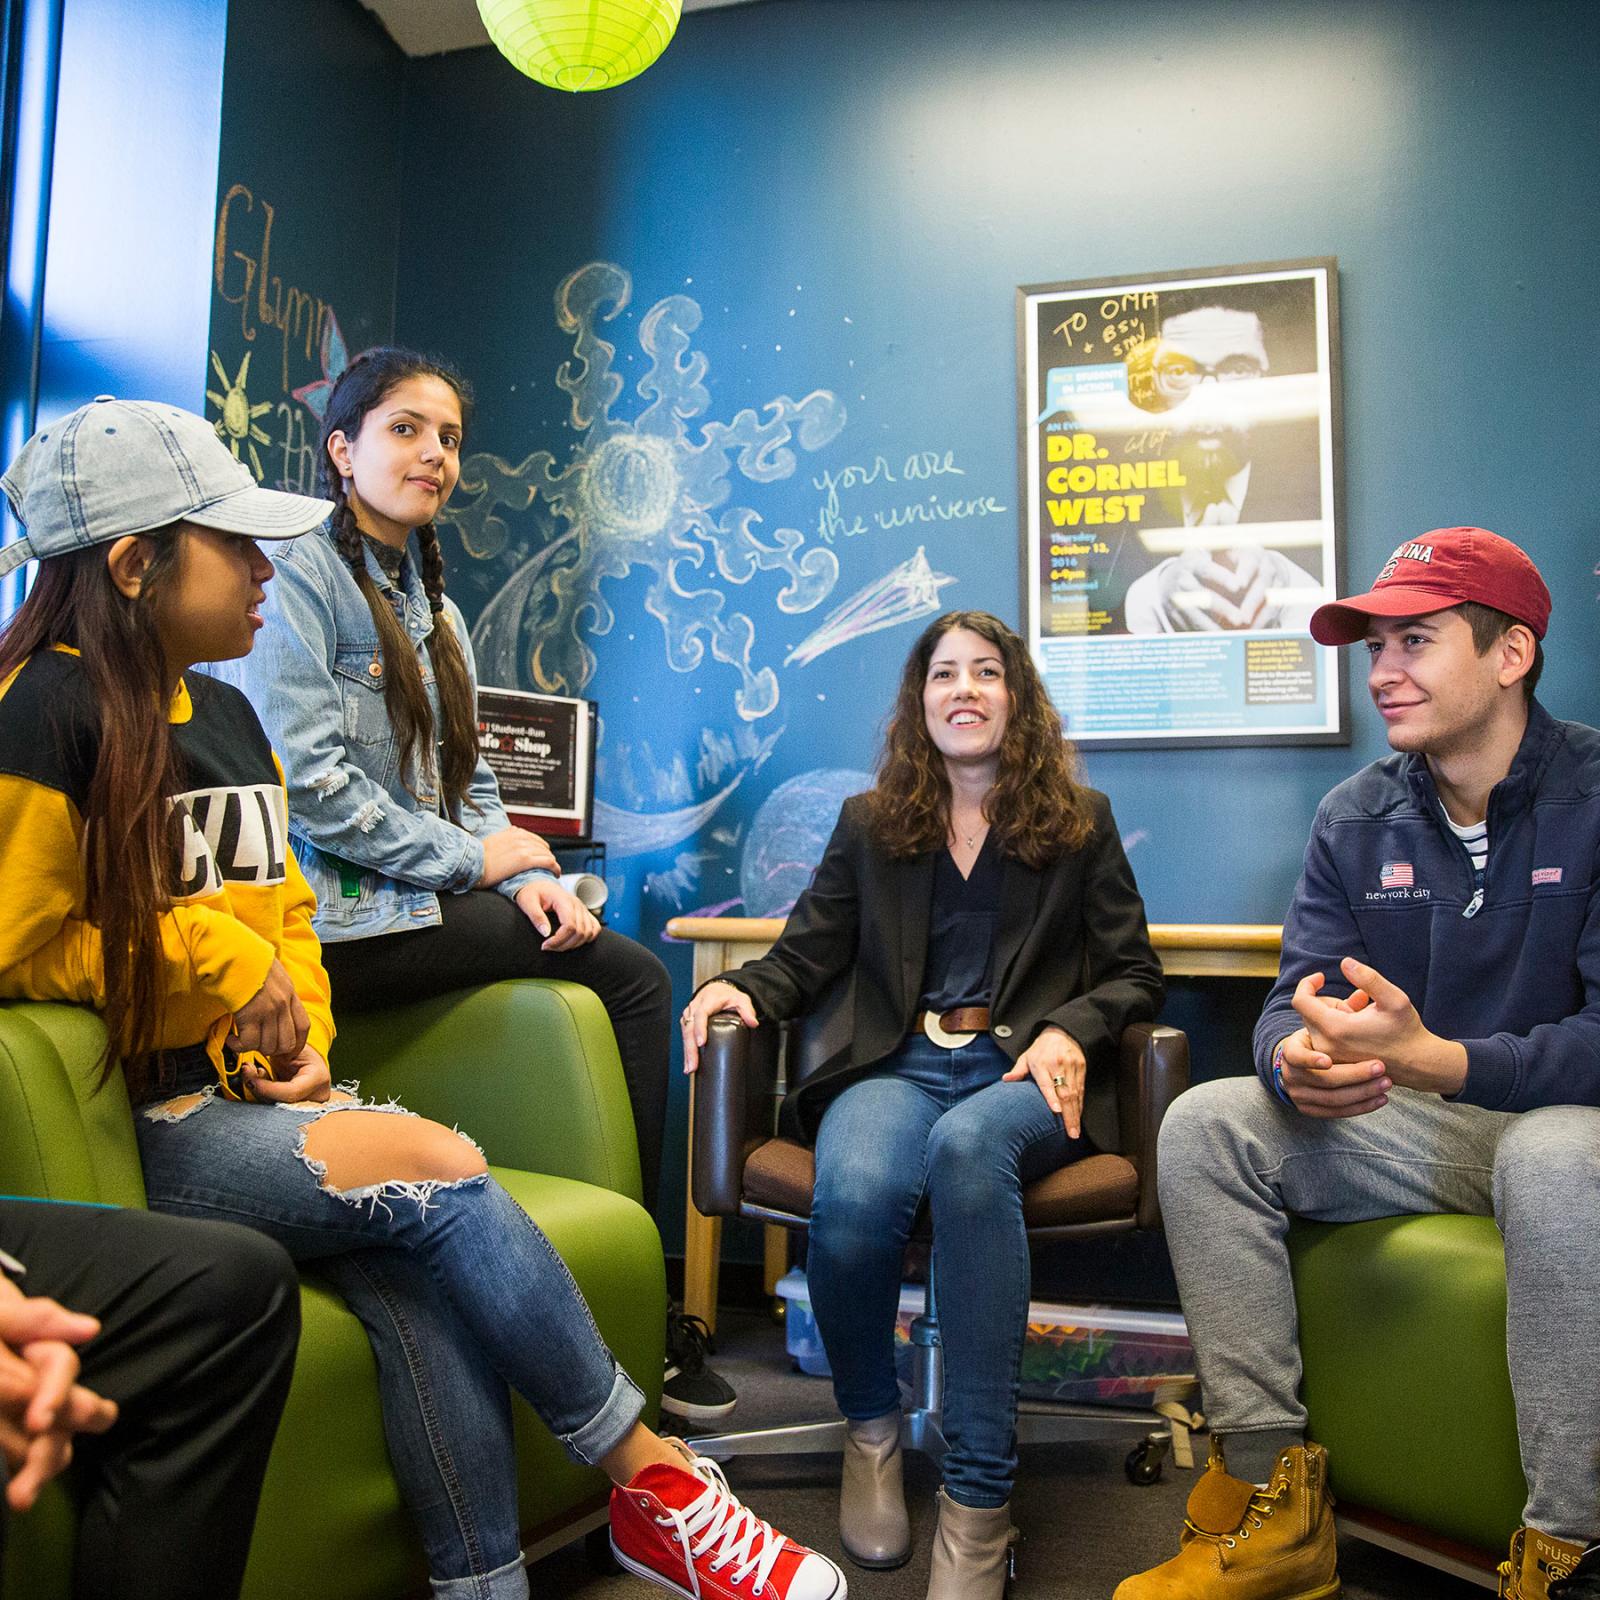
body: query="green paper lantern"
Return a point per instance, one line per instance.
(580, 44)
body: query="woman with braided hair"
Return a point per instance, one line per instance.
(364, 678)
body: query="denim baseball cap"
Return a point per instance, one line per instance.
(115, 467)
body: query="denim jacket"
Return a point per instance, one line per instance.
(377, 855)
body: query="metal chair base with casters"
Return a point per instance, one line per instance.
(741, 1168)
(922, 1418)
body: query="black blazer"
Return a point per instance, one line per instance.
(1071, 948)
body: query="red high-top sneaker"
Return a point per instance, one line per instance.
(682, 1527)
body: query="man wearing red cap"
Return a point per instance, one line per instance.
(1432, 1044)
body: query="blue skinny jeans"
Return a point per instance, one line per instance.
(936, 1124)
(459, 1292)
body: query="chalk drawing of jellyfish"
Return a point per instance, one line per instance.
(724, 762)
(642, 493)
(906, 592)
(680, 881)
(636, 833)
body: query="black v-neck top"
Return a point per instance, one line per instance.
(959, 970)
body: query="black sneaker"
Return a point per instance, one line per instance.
(691, 1390)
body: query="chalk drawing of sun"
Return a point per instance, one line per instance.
(644, 493)
(237, 425)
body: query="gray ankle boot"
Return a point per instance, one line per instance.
(873, 1526)
(970, 1551)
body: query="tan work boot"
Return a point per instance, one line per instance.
(1244, 1543)
(971, 1551)
(1537, 1565)
(873, 1526)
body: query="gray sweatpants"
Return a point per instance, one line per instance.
(1235, 1162)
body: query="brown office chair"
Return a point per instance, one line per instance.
(742, 1168)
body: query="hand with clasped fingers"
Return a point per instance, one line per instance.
(546, 904)
(42, 1405)
(1352, 1052)
(302, 1076)
(273, 1021)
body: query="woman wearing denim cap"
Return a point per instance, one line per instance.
(365, 681)
(979, 903)
(146, 810)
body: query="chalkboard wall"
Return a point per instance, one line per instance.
(308, 204)
(743, 337)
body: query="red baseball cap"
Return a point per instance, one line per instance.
(1437, 570)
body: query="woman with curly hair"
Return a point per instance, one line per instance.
(979, 904)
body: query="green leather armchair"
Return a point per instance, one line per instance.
(530, 1070)
(1403, 1338)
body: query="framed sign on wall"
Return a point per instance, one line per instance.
(540, 748)
(1183, 517)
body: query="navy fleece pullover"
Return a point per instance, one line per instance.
(1514, 976)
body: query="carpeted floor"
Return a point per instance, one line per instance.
(1084, 1526)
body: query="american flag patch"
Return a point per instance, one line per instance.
(1396, 875)
(1546, 875)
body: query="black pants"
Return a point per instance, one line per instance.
(483, 938)
(199, 1325)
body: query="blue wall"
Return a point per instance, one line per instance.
(815, 214)
(849, 195)
(865, 185)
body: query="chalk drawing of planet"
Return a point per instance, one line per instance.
(786, 840)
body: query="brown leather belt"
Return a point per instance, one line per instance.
(952, 1028)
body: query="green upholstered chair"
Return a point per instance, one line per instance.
(1403, 1334)
(530, 1070)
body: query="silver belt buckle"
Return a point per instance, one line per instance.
(946, 1041)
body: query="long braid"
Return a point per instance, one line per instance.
(457, 704)
(405, 698)
(432, 566)
(346, 533)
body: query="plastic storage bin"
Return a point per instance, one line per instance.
(1110, 1353)
(1073, 1353)
(804, 1343)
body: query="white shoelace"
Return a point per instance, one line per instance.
(717, 1518)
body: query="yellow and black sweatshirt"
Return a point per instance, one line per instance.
(242, 899)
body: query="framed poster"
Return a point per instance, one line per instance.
(1183, 512)
(540, 748)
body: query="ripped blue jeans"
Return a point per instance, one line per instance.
(459, 1291)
